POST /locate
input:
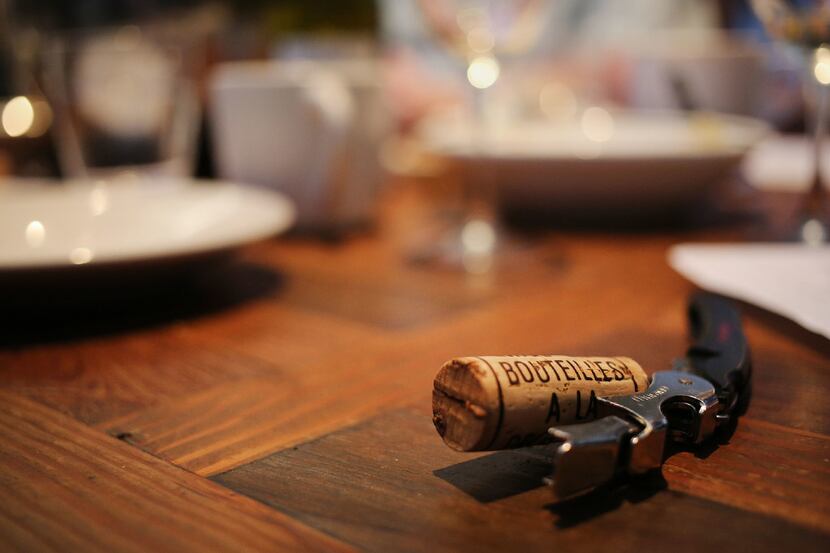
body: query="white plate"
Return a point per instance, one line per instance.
(603, 160)
(47, 225)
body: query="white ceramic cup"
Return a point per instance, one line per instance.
(311, 129)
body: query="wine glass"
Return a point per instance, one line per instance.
(479, 34)
(806, 24)
(124, 106)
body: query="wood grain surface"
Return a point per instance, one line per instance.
(300, 375)
(67, 487)
(388, 485)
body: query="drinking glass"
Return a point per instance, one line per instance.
(480, 35)
(123, 105)
(806, 24)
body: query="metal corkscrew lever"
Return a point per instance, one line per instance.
(704, 390)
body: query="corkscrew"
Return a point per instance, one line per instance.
(705, 390)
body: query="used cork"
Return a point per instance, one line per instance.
(485, 403)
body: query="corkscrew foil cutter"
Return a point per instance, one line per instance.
(704, 391)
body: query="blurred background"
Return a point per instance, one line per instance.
(589, 112)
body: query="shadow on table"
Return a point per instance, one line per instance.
(511, 472)
(507, 473)
(501, 474)
(38, 313)
(607, 498)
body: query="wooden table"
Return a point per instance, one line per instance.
(284, 403)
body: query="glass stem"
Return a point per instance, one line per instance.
(481, 192)
(815, 198)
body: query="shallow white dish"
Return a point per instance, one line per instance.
(79, 226)
(643, 161)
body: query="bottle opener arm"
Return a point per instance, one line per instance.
(630, 435)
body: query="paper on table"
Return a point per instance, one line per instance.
(792, 280)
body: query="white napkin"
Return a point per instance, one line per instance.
(792, 280)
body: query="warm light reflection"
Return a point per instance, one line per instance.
(478, 237)
(18, 116)
(557, 101)
(478, 242)
(483, 71)
(99, 198)
(813, 233)
(80, 256)
(821, 69)
(35, 234)
(597, 124)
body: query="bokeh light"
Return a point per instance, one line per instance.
(18, 116)
(483, 72)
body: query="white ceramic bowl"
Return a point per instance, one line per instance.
(640, 161)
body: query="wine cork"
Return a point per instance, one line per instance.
(482, 403)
